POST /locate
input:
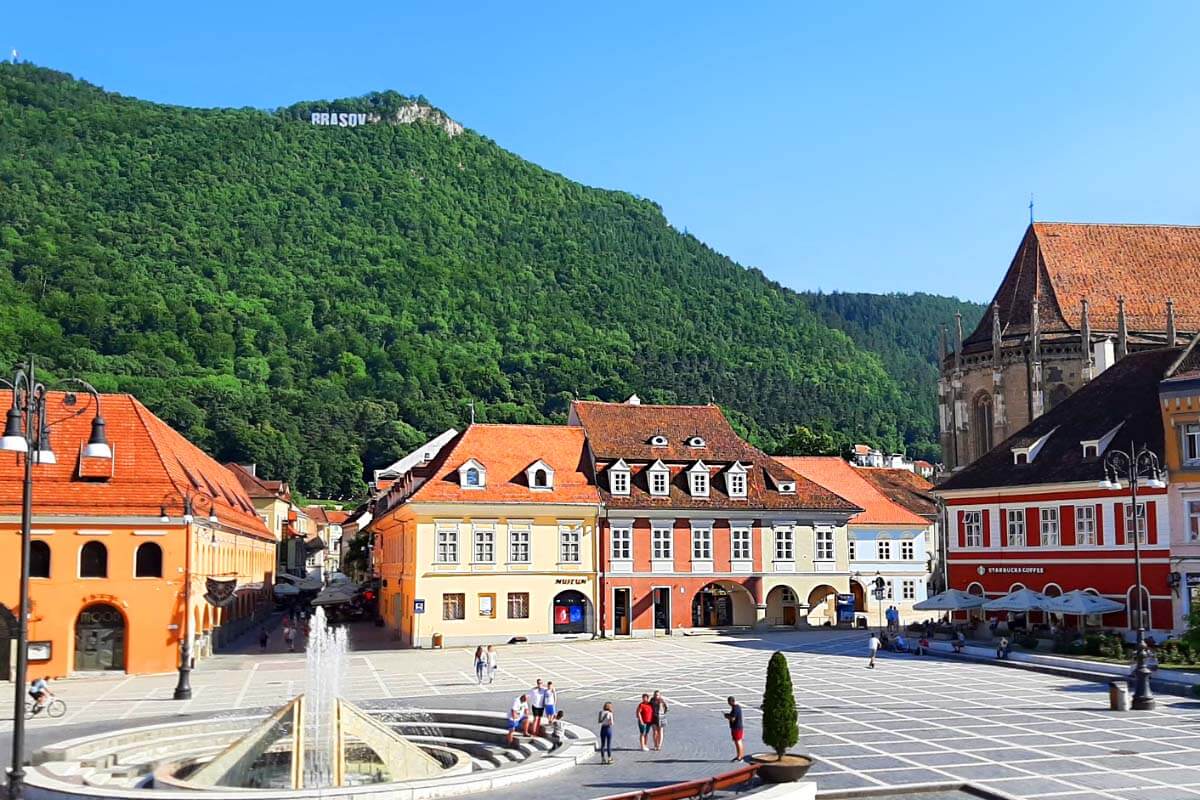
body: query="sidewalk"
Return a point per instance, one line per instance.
(1163, 680)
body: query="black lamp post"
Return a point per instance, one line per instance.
(1135, 466)
(879, 592)
(190, 501)
(27, 434)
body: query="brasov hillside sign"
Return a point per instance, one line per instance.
(350, 119)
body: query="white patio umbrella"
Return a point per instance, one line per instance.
(1018, 602)
(950, 600)
(286, 590)
(1081, 603)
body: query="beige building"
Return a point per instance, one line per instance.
(494, 539)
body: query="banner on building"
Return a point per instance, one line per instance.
(220, 592)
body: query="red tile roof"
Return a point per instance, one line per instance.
(836, 475)
(904, 487)
(259, 487)
(152, 464)
(336, 517)
(624, 430)
(506, 451)
(1065, 263)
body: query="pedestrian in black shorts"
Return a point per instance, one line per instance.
(537, 706)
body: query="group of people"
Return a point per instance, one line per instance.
(535, 713)
(898, 644)
(485, 664)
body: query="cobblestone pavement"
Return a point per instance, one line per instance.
(909, 721)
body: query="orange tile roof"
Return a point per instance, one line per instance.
(336, 517)
(904, 487)
(506, 451)
(152, 464)
(838, 476)
(1064, 263)
(259, 487)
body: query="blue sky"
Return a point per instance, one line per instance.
(874, 147)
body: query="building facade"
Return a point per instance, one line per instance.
(112, 556)
(1075, 299)
(884, 541)
(701, 530)
(494, 539)
(1032, 513)
(1179, 396)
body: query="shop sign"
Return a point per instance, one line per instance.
(1193, 579)
(570, 581)
(1011, 570)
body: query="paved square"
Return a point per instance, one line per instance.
(910, 721)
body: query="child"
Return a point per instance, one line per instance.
(606, 726)
(556, 728)
(551, 700)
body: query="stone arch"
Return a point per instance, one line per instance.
(101, 637)
(860, 595)
(982, 419)
(722, 604)
(782, 605)
(822, 605)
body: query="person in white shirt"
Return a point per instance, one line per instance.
(491, 663)
(518, 717)
(537, 704)
(873, 646)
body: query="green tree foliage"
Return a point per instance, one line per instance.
(804, 441)
(318, 300)
(779, 728)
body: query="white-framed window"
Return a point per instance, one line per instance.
(622, 544)
(570, 544)
(973, 528)
(1050, 536)
(852, 550)
(824, 545)
(1085, 525)
(472, 475)
(447, 544)
(1193, 520)
(698, 480)
(883, 549)
(1141, 522)
(660, 544)
(659, 478)
(908, 550)
(1191, 443)
(735, 480)
(908, 590)
(518, 545)
(739, 544)
(889, 590)
(702, 544)
(1015, 527)
(785, 545)
(618, 481)
(485, 544)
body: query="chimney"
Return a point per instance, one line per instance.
(1170, 322)
(1122, 329)
(633, 400)
(1103, 355)
(1085, 342)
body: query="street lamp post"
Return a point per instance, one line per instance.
(1135, 466)
(190, 502)
(27, 433)
(879, 592)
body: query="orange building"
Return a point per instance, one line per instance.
(109, 558)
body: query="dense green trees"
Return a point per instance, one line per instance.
(319, 299)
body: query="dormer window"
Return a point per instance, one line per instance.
(472, 475)
(540, 476)
(735, 480)
(698, 479)
(658, 440)
(618, 478)
(787, 487)
(1026, 454)
(696, 441)
(658, 477)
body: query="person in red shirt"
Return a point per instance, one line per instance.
(645, 720)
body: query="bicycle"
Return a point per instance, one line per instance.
(54, 709)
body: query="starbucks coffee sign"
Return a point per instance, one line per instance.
(342, 119)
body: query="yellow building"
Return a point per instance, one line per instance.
(1179, 397)
(493, 539)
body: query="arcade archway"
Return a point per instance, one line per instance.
(822, 606)
(571, 613)
(722, 604)
(100, 638)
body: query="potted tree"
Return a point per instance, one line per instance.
(779, 729)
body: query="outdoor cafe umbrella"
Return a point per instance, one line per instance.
(1081, 603)
(1018, 602)
(950, 600)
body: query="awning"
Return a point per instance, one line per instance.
(286, 589)
(1018, 602)
(1082, 603)
(950, 600)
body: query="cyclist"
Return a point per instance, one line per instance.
(39, 690)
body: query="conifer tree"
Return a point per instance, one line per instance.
(779, 707)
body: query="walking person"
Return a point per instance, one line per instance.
(537, 704)
(736, 729)
(551, 695)
(263, 638)
(645, 718)
(491, 664)
(289, 638)
(606, 725)
(518, 718)
(480, 664)
(873, 645)
(659, 703)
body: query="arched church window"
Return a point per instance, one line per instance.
(981, 423)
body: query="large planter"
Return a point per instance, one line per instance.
(781, 769)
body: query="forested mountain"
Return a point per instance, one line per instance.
(318, 299)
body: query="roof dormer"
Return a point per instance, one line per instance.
(696, 441)
(472, 475)
(735, 480)
(658, 479)
(698, 479)
(658, 440)
(786, 486)
(540, 476)
(618, 478)
(1094, 448)
(1026, 454)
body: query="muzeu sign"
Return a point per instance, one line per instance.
(342, 119)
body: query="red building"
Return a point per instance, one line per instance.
(1031, 513)
(700, 529)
